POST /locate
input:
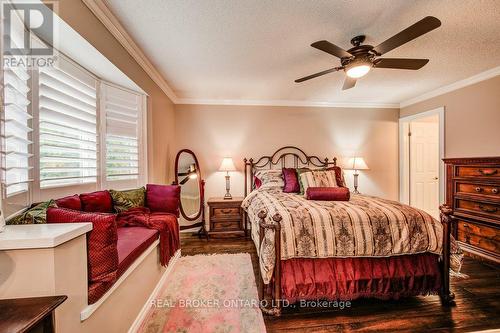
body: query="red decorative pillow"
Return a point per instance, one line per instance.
(101, 242)
(70, 202)
(291, 181)
(339, 177)
(257, 182)
(99, 202)
(328, 193)
(163, 198)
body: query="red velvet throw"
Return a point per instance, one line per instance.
(328, 193)
(165, 223)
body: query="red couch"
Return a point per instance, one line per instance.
(117, 240)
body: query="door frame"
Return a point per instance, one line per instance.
(440, 111)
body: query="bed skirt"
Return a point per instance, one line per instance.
(353, 278)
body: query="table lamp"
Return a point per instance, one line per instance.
(356, 163)
(227, 165)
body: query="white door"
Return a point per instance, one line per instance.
(424, 165)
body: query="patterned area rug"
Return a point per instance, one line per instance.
(207, 293)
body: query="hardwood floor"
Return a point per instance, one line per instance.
(477, 302)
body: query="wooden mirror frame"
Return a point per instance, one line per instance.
(201, 184)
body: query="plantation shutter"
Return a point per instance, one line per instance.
(17, 130)
(68, 126)
(123, 129)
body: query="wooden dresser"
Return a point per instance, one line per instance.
(473, 192)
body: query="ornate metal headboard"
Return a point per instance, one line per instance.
(289, 156)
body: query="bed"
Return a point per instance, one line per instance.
(366, 247)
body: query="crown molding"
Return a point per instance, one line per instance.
(454, 86)
(243, 102)
(104, 14)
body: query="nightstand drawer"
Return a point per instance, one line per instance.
(225, 212)
(225, 225)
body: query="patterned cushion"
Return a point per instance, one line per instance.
(70, 202)
(99, 202)
(124, 200)
(270, 178)
(102, 254)
(163, 198)
(35, 215)
(317, 178)
(291, 181)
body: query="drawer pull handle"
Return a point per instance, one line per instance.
(488, 209)
(488, 172)
(479, 189)
(494, 191)
(226, 211)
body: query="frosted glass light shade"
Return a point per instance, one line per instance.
(227, 164)
(356, 163)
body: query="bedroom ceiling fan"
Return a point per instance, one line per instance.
(360, 59)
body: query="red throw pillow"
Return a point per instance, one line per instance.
(163, 198)
(328, 193)
(339, 177)
(291, 181)
(257, 182)
(101, 242)
(70, 202)
(99, 202)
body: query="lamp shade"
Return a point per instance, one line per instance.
(356, 163)
(227, 164)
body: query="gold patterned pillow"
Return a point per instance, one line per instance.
(317, 178)
(270, 178)
(125, 200)
(35, 215)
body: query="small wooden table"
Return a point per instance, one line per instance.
(29, 314)
(226, 217)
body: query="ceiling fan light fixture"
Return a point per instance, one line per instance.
(357, 69)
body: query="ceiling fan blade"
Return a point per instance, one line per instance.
(330, 48)
(312, 76)
(349, 83)
(418, 29)
(397, 63)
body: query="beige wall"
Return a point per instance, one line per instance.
(472, 118)
(161, 111)
(213, 132)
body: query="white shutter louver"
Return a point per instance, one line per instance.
(122, 114)
(16, 136)
(68, 123)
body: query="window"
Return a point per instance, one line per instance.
(67, 126)
(123, 113)
(16, 132)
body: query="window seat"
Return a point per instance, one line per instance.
(132, 242)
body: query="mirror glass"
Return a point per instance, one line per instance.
(187, 175)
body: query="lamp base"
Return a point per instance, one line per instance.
(356, 175)
(228, 195)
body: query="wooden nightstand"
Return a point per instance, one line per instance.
(226, 217)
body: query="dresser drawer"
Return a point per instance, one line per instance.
(484, 237)
(492, 172)
(475, 207)
(225, 212)
(225, 225)
(492, 191)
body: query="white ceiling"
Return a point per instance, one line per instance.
(255, 49)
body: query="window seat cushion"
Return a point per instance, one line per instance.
(132, 242)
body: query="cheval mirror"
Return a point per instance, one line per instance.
(188, 177)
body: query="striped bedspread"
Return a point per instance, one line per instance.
(362, 227)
